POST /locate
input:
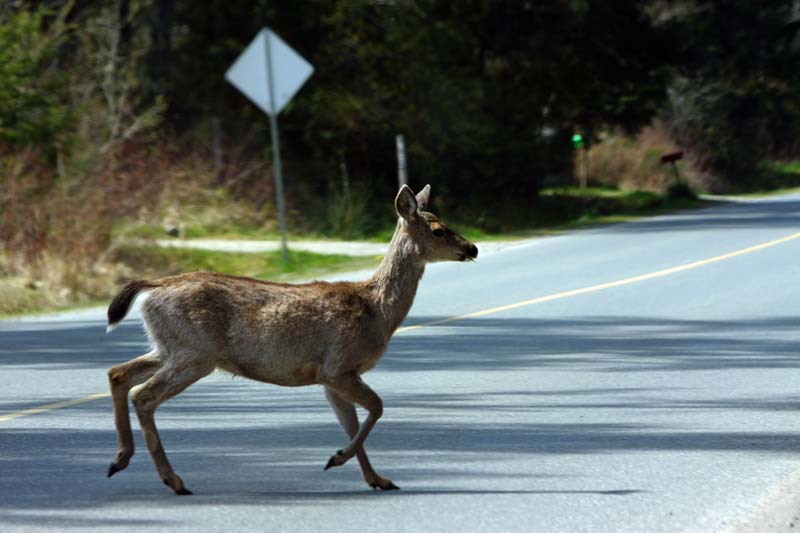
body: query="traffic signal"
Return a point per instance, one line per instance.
(577, 140)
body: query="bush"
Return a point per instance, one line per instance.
(634, 162)
(680, 191)
(347, 215)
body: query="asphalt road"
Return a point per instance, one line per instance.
(666, 402)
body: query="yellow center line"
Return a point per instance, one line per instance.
(53, 406)
(604, 286)
(484, 312)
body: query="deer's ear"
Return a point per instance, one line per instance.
(423, 196)
(406, 203)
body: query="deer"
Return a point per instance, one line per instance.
(317, 333)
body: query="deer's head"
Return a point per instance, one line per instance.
(436, 241)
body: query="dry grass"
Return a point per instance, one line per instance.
(59, 222)
(635, 162)
(56, 221)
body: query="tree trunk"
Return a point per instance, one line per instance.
(162, 17)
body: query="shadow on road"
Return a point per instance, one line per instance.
(69, 344)
(234, 439)
(608, 344)
(605, 344)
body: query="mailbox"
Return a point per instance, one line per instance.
(671, 158)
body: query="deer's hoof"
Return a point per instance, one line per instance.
(335, 460)
(113, 468)
(381, 483)
(120, 462)
(176, 484)
(387, 486)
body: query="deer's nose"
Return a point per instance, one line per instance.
(473, 251)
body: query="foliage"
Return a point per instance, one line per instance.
(680, 191)
(737, 100)
(33, 91)
(67, 167)
(486, 93)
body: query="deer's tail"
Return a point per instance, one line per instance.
(122, 302)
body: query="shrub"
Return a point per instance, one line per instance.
(634, 162)
(347, 215)
(680, 191)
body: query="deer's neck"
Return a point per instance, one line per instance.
(394, 284)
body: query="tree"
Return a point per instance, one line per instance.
(736, 101)
(34, 110)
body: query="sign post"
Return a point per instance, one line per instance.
(269, 73)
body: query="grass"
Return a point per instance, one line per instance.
(240, 231)
(196, 230)
(777, 178)
(152, 261)
(20, 298)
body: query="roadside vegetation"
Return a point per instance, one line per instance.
(110, 133)
(18, 295)
(153, 261)
(558, 209)
(776, 178)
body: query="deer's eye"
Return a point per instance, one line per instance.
(438, 232)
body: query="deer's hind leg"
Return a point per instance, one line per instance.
(121, 379)
(346, 413)
(167, 382)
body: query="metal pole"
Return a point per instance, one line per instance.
(402, 177)
(585, 167)
(678, 179)
(276, 162)
(276, 153)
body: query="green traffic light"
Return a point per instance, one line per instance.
(577, 139)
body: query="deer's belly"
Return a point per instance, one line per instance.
(288, 372)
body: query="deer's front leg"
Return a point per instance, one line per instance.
(350, 388)
(346, 413)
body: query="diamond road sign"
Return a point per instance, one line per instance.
(269, 64)
(269, 73)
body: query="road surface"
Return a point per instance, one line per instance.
(637, 377)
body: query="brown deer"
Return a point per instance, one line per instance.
(290, 335)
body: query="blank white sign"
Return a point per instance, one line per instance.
(250, 72)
